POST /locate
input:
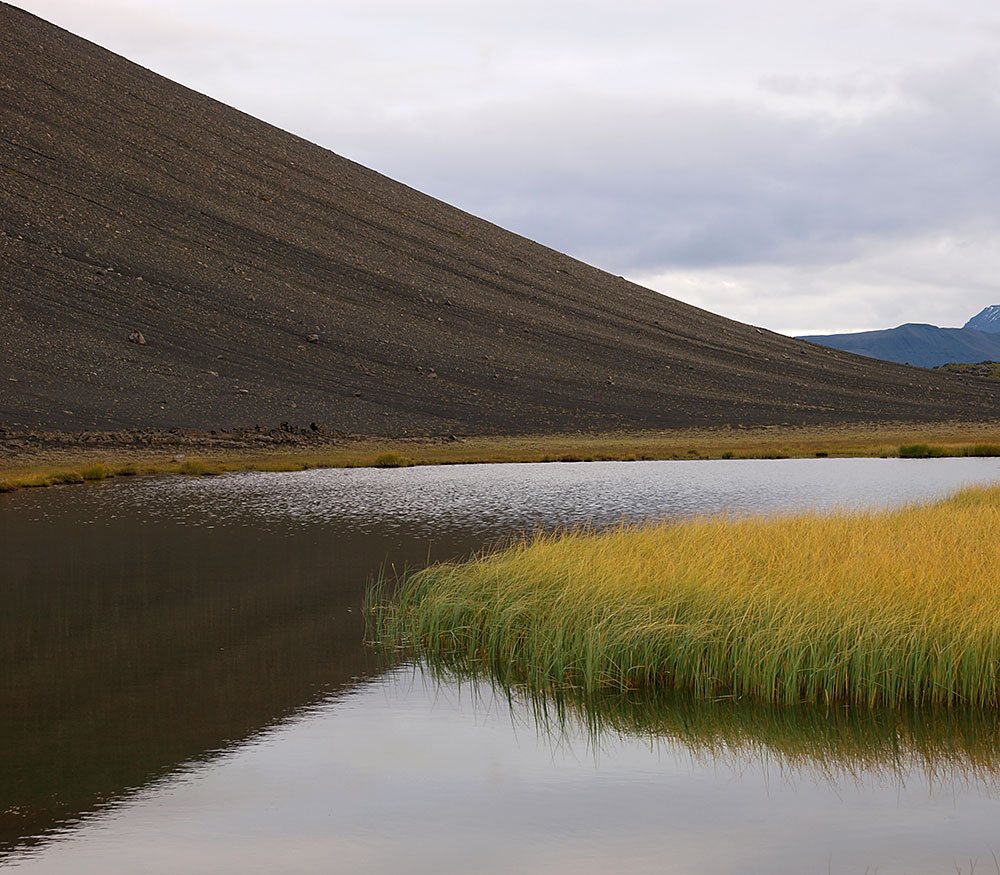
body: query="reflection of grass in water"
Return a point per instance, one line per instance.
(865, 608)
(829, 742)
(832, 741)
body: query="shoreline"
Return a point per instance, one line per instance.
(37, 459)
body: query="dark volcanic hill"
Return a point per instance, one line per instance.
(273, 280)
(918, 344)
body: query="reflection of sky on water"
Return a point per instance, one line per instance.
(399, 776)
(503, 499)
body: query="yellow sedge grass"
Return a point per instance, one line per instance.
(872, 608)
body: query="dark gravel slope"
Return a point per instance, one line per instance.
(275, 281)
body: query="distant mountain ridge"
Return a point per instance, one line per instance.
(987, 319)
(924, 345)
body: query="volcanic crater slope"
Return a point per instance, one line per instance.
(168, 261)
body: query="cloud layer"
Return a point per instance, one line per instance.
(805, 169)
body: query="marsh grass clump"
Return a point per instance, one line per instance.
(67, 477)
(920, 451)
(38, 481)
(984, 450)
(391, 460)
(96, 472)
(197, 468)
(865, 608)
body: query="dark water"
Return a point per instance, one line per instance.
(184, 687)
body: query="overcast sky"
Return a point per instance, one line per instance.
(808, 167)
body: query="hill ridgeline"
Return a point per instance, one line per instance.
(926, 346)
(169, 262)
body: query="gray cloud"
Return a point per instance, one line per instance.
(640, 186)
(769, 160)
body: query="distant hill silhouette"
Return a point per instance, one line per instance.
(924, 345)
(167, 261)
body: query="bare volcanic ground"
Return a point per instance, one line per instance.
(274, 281)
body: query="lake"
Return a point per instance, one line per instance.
(185, 688)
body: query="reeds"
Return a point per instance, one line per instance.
(391, 460)
(197, 468)
(867, 608)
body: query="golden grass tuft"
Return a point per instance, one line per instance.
(920, 451)
(868, 608)
(96, 472)
(67, 477)
(198, 468)
(391, 460)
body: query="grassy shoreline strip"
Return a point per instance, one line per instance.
(864, 608)
(58, 466)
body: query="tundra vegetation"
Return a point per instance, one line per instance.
(61, 466)
(868, 608)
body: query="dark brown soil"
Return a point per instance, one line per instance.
(45, 446)
(273, 281)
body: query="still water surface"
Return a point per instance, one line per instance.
(184, 688)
